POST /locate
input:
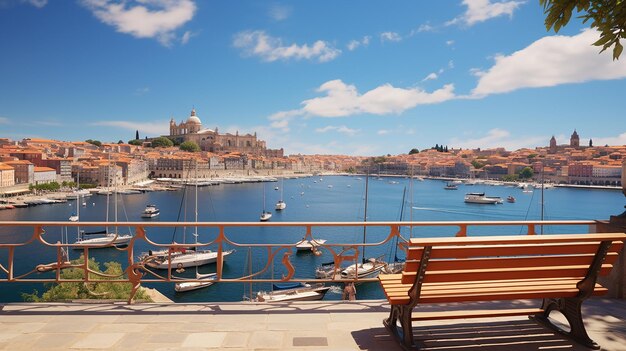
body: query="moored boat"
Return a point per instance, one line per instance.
(150, 212)
(481, 198)
(308, 245)
(293, 292)
(205, 280)
(510, 199)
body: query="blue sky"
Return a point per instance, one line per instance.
(329, 77)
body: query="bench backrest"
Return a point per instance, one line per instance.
(488, 258)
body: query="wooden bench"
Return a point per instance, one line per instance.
(560, 269)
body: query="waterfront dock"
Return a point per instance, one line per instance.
(321, 325)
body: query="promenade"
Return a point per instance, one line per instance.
(319, 325)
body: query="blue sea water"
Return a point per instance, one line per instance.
(313, 199)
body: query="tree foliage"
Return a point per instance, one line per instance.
(477, 165)
(607, 16)
(414, 151)
(136, 142)
(97, 143)
(189, 146)
(526, 173)
(80, 290)
(52, 186)
(510, 178)
(162, 142)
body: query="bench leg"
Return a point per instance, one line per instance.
(405, 336)
(571, 309)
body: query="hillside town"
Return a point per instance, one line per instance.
(32, 161)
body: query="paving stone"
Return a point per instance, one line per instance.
(212, 339)
(266, 339)
(234, 339)
(97, 341)
(121, 328)
(53, 341)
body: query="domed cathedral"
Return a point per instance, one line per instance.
(574, 140)
(213, 141)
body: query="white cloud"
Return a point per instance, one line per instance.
(482, 10)
(611, 141)
(279, 12)
(144, 18)
(425, 28)
(354, 44)
(37, 3)
(499, 138)
(547, 62)
(187, 36)
(383, 132)
(431, 76)
(344, 100)
(151, 128)
(338, 129)
(268, 48)
(450, 42)
(4, 120)
(280, 120)
(390, 36)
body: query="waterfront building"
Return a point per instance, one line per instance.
(214, 141)
(45, 175)
(24, 171)
(7, 175)
(553, 147)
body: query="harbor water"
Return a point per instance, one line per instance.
(312, 199)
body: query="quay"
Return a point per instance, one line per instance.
(323, 325)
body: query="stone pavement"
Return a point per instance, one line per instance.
(319, 325)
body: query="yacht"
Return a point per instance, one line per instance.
(451, 186)
(106, 240)
(205, 280)
(280, 205)
(265, 216)
(150, 212)
(179, 259)
(308, 245)
(480, 198)
(293, 292)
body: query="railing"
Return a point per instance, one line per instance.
(53, 236)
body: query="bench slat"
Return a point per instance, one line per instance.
(415, 253)
(500, 274)
(517, 239)
(509, 262)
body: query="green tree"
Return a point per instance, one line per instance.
(526, 173)
(414, 151)
(94, 142)
(80, 290)
(135, 142)
(590, 143)
(189, 146)
(477, 165)
(607, 16)
(162, 142)
(510, 178)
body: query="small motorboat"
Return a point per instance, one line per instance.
(280, 205)
(451, 186)
(510, 199)
(150, 212)
(265, 216)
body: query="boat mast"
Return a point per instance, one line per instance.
(395, 254)
(367, 176)
(542, 197)
(411, 200)
(195, 234)
(108, 190)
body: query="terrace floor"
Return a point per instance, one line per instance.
(322, 325)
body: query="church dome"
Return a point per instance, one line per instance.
(193, 118)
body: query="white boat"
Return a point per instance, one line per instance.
(182, 259)
(150, 212)
(205, 281)
(73, 218)
(265, 216)
(103, 241)
(308, 245)
(368, 269)
(281, 204)
(299, 292)
(480, 198)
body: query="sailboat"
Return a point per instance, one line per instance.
(184, 257)
(108, 239)
(369, 268)
(397, 265)
(205, 280)
(281, 205)
(265, 215)
(74, 217)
